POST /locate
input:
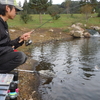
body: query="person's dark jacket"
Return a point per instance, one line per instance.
(6, 43)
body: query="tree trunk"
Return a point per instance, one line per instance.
(68, 10)
(40, 17)
(87, 16)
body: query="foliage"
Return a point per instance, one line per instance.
(25, 17)
(73, 7)
(26, 7)
(19, 3)
(87, 9)
(67, 5)
(98, 13)
(40, 6)
(98, 9)
(92, 3)
(54, 12)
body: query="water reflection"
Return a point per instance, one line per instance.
(44, 65)
(87, 69)
(48, 81)
(73, 63)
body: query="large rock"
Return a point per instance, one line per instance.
(78, 31)
(74, 26)
(95, 27)
(86, 34)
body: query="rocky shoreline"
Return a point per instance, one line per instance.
(28, 82)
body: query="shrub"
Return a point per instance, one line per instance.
(25, 17)
(98, 13)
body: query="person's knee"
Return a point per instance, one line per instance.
(21, 57)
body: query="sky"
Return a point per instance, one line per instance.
(53, 1)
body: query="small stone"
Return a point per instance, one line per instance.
(33, 92)
(51, 30)
(12, 30)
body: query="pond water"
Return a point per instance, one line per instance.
(73, 63)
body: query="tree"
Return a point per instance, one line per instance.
(24, 15)
(40, 6)
(25, 6)
(93, 3)
(73, 7)
(86, 9)
(19, 3)
(54, 11)
(67, 5)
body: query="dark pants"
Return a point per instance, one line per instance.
(11, 60)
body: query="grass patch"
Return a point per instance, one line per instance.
(64, 21)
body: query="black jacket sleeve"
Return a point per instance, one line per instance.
(6, 43)
(16, 43)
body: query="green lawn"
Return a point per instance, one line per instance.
(63, 22)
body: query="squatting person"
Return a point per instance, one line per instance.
(8, 58)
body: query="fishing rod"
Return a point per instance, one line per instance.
(30, 41)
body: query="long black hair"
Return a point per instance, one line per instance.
(3, 9)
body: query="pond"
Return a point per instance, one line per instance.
(73, 63)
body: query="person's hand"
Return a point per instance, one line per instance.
(25, 36)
